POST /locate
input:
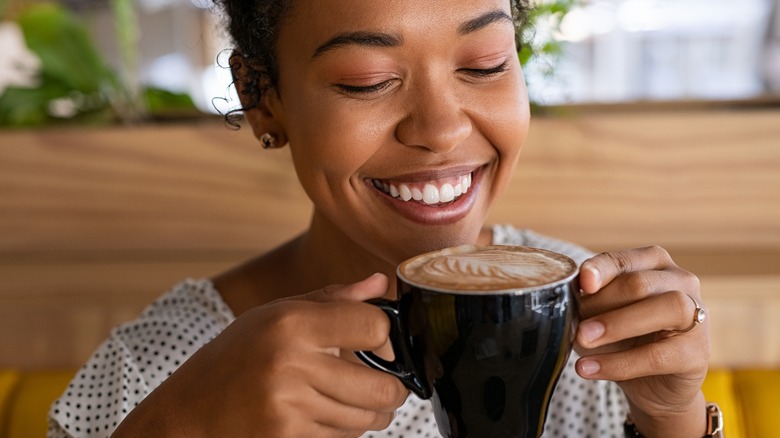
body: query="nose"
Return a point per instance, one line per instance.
(435, 120)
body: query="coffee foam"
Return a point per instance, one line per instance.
(471, 268)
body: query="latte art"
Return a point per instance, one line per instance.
(471, 268)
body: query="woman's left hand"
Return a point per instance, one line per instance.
(635, 308)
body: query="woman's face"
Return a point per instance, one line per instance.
(405, 118)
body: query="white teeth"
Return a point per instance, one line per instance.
(447, 193)
(430, 194)
(404, 192)
(457, 189)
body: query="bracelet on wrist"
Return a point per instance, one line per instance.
(714, 424)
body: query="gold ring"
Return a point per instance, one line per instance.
(699, 315)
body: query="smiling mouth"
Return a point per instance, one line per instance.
(433, 193)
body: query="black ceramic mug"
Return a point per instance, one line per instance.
(484, 331)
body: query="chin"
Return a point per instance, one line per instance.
(426, 239)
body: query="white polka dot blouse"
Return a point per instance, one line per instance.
(139, 355)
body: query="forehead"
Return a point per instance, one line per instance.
(311, 22)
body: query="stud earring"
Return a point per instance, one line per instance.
(268, 141)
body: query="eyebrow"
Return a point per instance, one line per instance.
(369, 39)
(380, 39)
(484, 20)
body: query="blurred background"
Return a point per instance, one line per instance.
(167, 57)
(657, 122)
(660, 118)
(640, 50)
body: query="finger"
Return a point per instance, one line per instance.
(667, 311)
(322, 430)
(355, 422)
(298, 396)
(673, 355)
(601, 269)
(315, 429)
(360, 386)
(345, 418)
(372, 287)
(347, 325)
(635, 286)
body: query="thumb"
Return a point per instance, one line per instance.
(372, 287)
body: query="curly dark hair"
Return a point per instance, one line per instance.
(254, 25)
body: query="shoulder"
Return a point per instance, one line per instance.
(175, 325)
(138, 356)
(191, 297)
(510, 235)
(172, 328)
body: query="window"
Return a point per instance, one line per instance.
(637, 50)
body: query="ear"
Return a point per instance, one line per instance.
(263, 111)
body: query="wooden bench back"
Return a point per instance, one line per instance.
(95, 223)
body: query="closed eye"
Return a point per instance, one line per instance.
(380, 86)
(364, 89)
(487, 72)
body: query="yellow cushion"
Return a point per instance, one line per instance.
(719, 388)
(747, 398)
(34, 393)
(8, 382)
(758, 392)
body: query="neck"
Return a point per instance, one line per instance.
(322, 256)
(328, 256)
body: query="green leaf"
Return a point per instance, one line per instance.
(65, 49)
(160, 101)
(525, 54)
(28, 106)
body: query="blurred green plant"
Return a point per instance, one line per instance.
(127, 36)
(74, 82)
(75, 85)
(546, 17)
(551, 12)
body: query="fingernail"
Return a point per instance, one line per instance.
(589, 367)
(591, 330)
(596, 274)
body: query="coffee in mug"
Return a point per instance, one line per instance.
(484, 331)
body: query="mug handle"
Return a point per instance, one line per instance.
(403, 364)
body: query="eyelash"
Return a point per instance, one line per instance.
(487, 72)
(368, 89)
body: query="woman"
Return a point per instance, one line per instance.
(405, 121)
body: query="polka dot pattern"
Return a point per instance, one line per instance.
(136, 358)
(140, 354)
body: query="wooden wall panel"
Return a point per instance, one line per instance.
(162, 189)
(685, 179)
(95, 223)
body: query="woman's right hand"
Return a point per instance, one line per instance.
(278, 371)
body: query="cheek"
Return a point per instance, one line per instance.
(518, 113)
(506, 125)
(507, 116)
(330, 141)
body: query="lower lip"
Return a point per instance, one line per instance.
(435, 215)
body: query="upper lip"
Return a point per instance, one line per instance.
(433, 174)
